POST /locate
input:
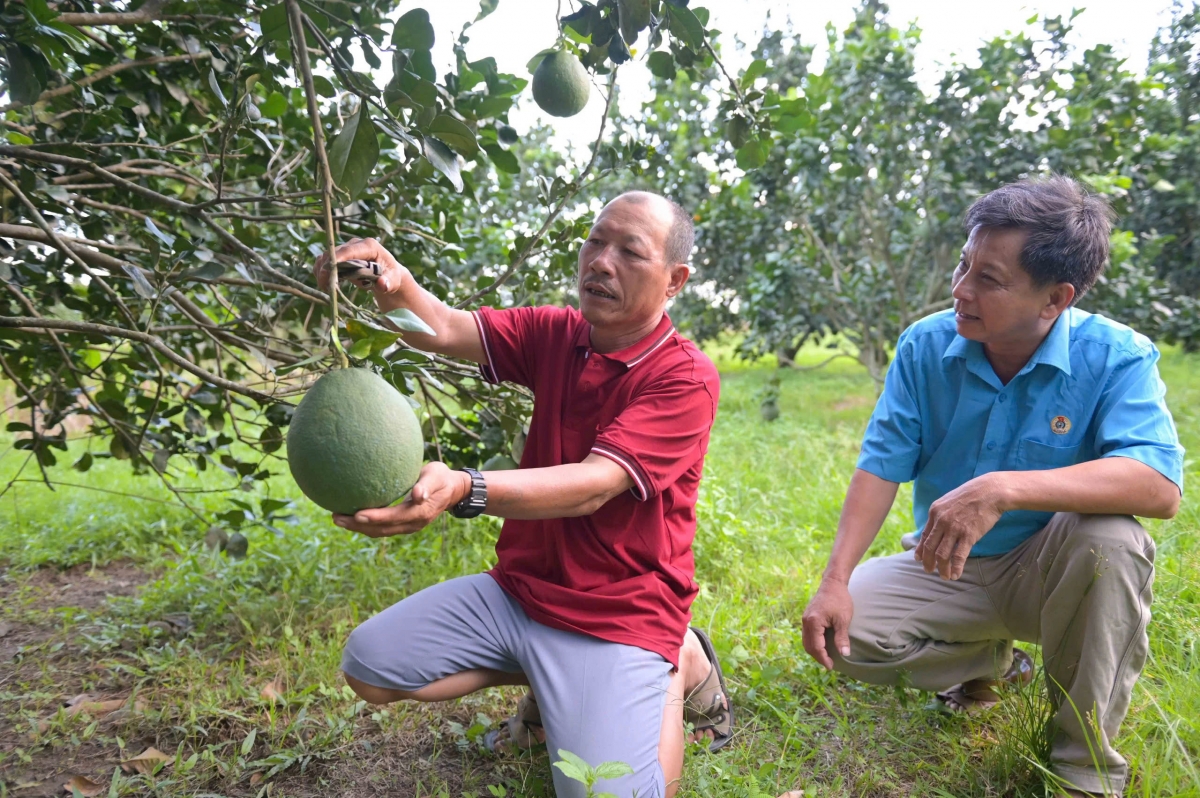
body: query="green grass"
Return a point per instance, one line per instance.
(768, 510)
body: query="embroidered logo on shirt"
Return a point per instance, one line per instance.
(1060, 425)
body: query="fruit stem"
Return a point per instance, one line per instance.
(300, 57)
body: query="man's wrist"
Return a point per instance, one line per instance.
(1005, 490)
(464, 487)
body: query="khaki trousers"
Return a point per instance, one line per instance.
(1081, 587)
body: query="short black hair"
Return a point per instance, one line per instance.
(1067, 228)
(682, 235)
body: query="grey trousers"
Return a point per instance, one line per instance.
(601, 701)
(1081, 587)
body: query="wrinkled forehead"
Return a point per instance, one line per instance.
(633, 215)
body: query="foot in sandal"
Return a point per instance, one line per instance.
(522, 730)
(707, 706)
(978, 695)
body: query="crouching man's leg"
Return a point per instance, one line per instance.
(442, 643)
(916, 628)
(608, 702)
(1083, 589)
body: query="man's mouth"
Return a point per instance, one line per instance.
(964, 315)
(597, 291)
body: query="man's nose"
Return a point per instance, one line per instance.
(962, 290)
(602, 263)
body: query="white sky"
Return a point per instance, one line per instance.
(952, 30)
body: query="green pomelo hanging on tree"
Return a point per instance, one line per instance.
(354, 442)
(560, 84)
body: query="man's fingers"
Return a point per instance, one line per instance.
(814, 642)
(841, 637)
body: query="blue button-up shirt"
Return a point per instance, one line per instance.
(1091, 390)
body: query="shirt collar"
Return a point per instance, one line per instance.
(636, 353)
(1054, 350)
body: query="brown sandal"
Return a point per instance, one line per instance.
(708, 707)
(522, 727)
(978, 695)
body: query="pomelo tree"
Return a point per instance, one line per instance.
(173, 168)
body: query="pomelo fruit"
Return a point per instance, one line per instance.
(354, 442)
(560, 84)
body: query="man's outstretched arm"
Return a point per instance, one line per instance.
(1108, 486)
(868, 500)
(394, 288)
(562, 491)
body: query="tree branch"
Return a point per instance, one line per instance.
(300, 52)
(31, 323)
(101, 74)
(149, 12)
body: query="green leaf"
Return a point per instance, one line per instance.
(752, 155)
(354, 152)
(24, 84)
(274, 23)
(534, 62)
(360, 349)
(572, 766)
(274, 106)
(685, 26)
(413, 31)
(323, 86)
(504, 160)
(486, 7)
(406, 320)
(753, 72)
(83, 463)
(19, 139)
(248, 743)
(444, 160)
(161, 235)
(216, 88)
(454, 133)
(613, 770)
(661, 64)
(308, 361)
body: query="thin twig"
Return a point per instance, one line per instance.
(577, 184)
(32, 323)
(300, 53)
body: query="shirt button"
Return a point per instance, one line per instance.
(1003, 397)
(991, 445)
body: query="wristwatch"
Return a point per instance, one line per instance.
(475, 501)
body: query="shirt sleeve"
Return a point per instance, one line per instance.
(660, 434)
(891, 446)
(1133, 420)
(511, 339)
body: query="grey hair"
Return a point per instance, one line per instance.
(1067, 228)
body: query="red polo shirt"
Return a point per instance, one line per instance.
(624, 573)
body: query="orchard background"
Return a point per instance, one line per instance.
(162, 198)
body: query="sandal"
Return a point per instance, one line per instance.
(522, 727)
(708, 707)
(978, 695)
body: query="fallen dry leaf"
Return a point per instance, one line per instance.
(84, 786)
(272, 691)
(97, 709)
(145, 762)
(255, 778)
(5, 628)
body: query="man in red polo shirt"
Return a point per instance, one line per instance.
(589, 600)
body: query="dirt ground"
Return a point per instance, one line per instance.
(48, 663)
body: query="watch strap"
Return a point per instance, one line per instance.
(475, 502)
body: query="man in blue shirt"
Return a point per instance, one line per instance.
(1032, 432)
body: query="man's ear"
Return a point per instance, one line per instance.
(1061, 297)
(680, 273)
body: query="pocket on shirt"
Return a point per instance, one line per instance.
(1038, 456)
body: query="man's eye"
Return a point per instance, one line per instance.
(631, 253)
